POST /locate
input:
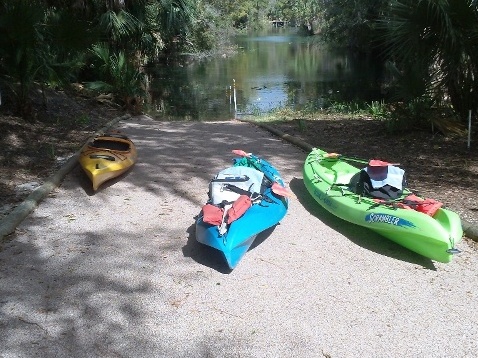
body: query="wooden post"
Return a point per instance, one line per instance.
(469, 128)
(235, 99)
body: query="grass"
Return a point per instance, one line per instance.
(376, 110)
(398, 121)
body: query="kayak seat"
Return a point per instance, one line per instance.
(342, 178)
(115, 135)
(346, 178)
(387, 185)
(354, 183)
(111, 145)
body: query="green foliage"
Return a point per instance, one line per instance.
(36, 46)
(118, 28)
(434, 46)
(431, 45)
(348, 107)
(408, 115)
(254, 110)
(176, 20)
(378, 109)
(246, 14)
(304, 13)
(120, 77)
(21, 48)
(352, 24)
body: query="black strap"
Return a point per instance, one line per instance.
(252, 195)
(237, 190)
(102, 156)
(238, 179)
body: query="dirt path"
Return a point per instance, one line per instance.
(119, 273)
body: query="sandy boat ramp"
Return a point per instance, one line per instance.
(118, 273)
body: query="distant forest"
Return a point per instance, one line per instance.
(428, 48)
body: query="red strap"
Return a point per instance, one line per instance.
(412, 202)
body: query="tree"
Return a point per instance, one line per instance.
(119, 77)
(352, 24)
(37, 45)
(436, 43)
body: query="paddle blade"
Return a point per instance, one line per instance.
(379, 163)
(280, 190)
(241, 153)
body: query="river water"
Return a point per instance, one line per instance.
(270, 70)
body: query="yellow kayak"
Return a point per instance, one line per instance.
(107, 157)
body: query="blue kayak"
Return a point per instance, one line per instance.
(269, 206)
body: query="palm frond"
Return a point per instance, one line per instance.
(118, 25)
(436, 40)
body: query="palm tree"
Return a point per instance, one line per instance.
(38, 45)
(434, 44)
(119, 77)
(46, 41)
(21, 54)
(176, 18)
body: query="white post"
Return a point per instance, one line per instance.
(469, 128)
(235, 102)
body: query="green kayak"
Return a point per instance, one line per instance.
(331, 182)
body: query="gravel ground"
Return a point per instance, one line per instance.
(118, 273)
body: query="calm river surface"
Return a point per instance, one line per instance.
(271, 70)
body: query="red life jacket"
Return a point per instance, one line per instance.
(238, 208)
(212, 214)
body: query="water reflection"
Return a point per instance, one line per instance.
(273, 70)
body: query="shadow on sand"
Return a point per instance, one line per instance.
(210, 257)
(359, 235)
(85, 182)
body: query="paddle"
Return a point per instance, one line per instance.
(241, 153)
(276, 187)
(371, 162)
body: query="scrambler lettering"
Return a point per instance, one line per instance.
(388, 219)
(382, 218)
